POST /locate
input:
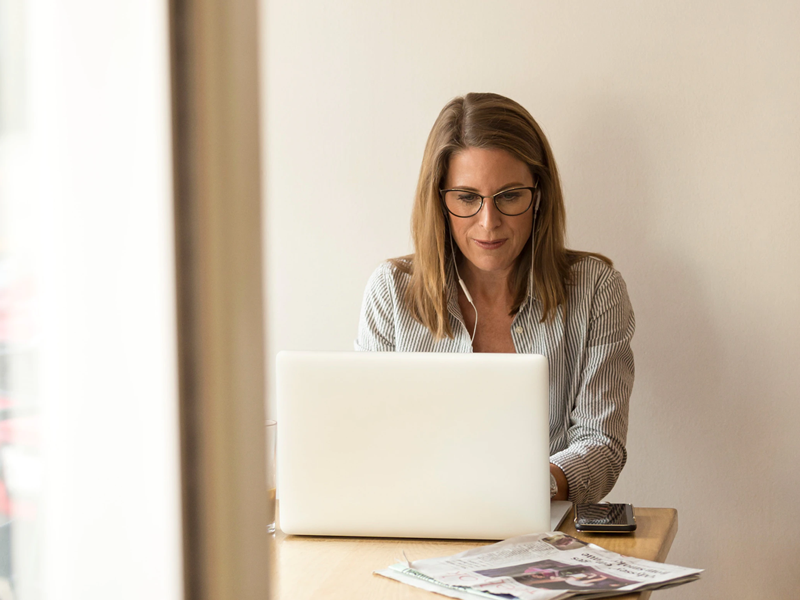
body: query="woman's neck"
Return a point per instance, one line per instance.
(487, 287)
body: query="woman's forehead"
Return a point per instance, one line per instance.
(481, 168)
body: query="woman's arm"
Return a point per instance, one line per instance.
(596, 437)
(376, 323)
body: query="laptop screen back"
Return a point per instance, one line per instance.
(413, 444)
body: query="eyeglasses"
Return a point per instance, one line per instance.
(465, 204)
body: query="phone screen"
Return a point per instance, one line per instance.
(603, 514)
(604, 517)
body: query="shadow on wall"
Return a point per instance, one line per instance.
(698, 435)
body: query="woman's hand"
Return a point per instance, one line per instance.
(561, 480)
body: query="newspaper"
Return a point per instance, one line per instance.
(542, 566)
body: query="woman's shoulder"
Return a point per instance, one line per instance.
(595, 265)
(590, 273)
(391, 274)
(597, 298)
(402, 264)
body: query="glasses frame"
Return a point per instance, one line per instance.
(533, 190)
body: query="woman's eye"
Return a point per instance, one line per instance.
(469, 198)
(509, 196)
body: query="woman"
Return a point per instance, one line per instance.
(490, 273)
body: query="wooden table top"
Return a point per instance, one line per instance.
(337, 568)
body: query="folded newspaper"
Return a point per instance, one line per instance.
(542, 566)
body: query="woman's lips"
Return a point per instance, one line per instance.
(489, 244)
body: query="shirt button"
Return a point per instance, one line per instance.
(519, 329)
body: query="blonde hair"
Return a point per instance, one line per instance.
(497, 122)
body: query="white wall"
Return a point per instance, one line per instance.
(676, 128)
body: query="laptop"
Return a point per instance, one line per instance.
(420, 445)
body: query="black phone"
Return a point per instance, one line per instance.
(605, 518)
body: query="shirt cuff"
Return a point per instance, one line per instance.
(578, 477)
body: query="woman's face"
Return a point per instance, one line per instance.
(490, 241)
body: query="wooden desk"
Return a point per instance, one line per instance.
(341, 568)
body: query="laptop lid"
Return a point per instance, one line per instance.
(413, 444)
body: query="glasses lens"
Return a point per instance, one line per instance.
(462, 204)
(514, 202)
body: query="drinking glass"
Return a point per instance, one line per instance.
(271, 435)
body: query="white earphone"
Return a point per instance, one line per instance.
(533, 239)
(463, 286)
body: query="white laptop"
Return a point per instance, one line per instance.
(413, 444)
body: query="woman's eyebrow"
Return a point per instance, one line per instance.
(507, 186)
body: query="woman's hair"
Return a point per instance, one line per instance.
(486, 121)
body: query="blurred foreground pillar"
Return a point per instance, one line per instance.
(220, 306)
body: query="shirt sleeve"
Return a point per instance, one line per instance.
(598, 427)
(376, 330)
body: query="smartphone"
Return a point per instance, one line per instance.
(605, 518)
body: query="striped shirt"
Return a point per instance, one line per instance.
(589, 356)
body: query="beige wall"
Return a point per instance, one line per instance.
(676, 128)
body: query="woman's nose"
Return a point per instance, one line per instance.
(489, 216)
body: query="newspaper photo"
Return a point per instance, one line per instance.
(541, 566)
